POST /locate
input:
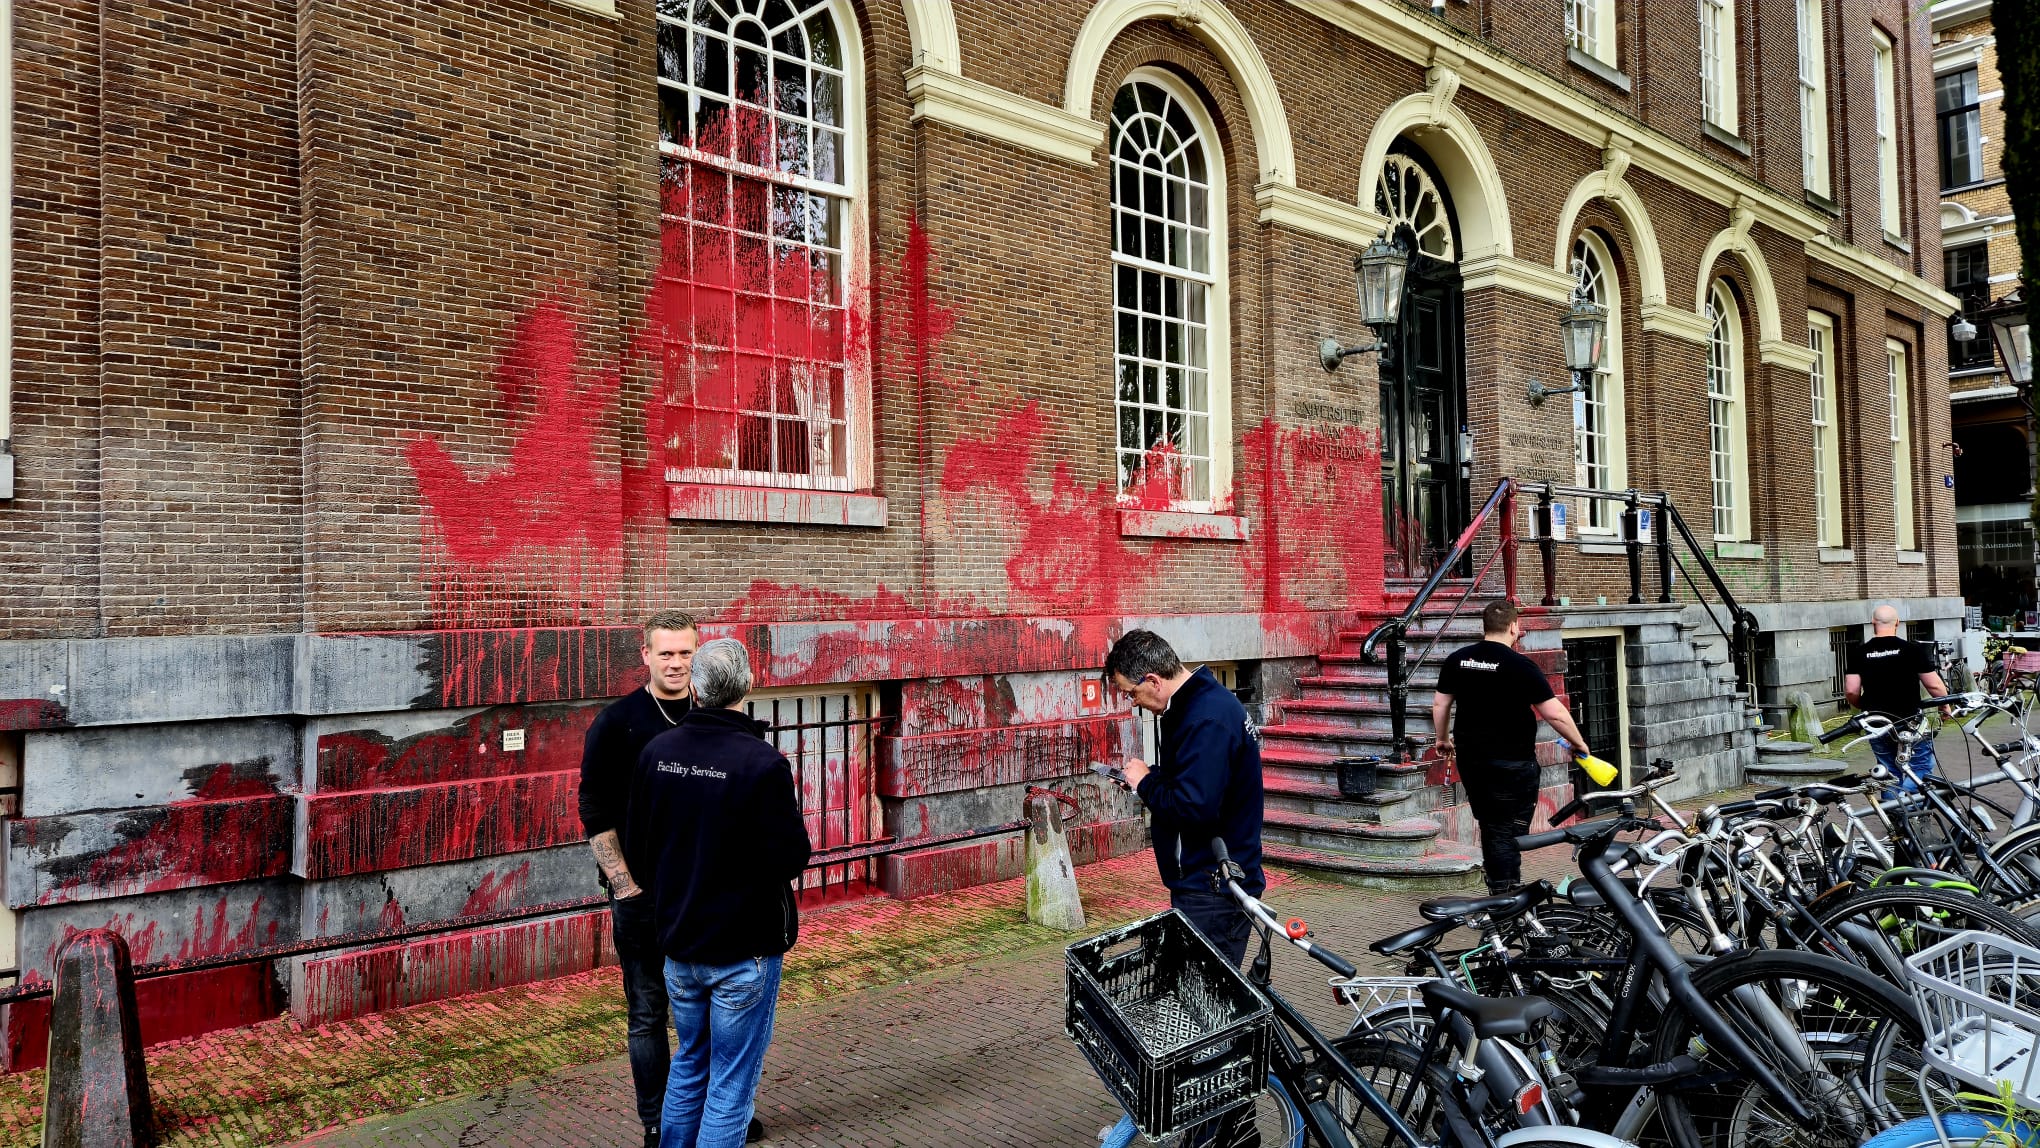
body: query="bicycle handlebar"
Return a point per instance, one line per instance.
(1841, 731)
(1259, 912)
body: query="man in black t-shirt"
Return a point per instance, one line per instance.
(1885, 677)
(609, 759)
(1500, 694)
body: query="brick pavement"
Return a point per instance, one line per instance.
(971, 1054)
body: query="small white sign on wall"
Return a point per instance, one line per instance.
(513, 739)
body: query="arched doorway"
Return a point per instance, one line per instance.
(1424, 448)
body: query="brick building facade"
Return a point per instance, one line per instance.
(1994, 475)
(375, 366)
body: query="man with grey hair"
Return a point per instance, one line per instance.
(716, 822)
(1885, 677)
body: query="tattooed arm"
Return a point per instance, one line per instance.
(609, 857)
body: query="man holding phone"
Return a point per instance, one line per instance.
(1206, 783)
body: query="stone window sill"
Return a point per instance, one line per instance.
(1602, 547)
(1822, 203)
(1182, 524)
(6, 474)
(709, 502)
(1833, 554)
(1898, 241)
(1740, 551)
(1725, 138)
(603, 8)
(1598, 68)
(1912, 558)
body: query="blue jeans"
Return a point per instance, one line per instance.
(722, 1017)
(1922, 763)
(644, 993)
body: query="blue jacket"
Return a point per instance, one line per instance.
(1206, 783)
(715, 824)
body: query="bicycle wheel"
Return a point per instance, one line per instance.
(2019, 855)
(1882, 927)
(1389, 1066)
(1852, 1056)
(1964, 1130)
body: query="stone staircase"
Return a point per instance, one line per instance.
(1384, 839)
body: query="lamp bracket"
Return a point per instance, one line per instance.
(1331, 352)
(1537, 392)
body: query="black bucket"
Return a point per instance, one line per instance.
(1356, 776)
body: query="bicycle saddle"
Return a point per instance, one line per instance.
(1421, 935)
(1499, 905)
(1491, 1016)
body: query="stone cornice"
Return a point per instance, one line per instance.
(1791, 356)
(603, 8)
(1855, 261)
(1518, 275)
(948, 98)
(1675, 322)
(1315, 214)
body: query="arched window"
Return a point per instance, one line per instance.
(759, 145)
(1600, 454)
(1168, 255)
(1727, 433)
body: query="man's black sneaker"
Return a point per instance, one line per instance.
(755, 1132)
(651, 1138)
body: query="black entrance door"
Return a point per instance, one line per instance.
(1423, 412)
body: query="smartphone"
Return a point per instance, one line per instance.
(1111, 773)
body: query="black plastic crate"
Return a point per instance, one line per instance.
(1174, 1031)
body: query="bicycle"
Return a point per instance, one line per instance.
(1457, 1088)
(1978, 994)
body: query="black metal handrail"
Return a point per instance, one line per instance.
(1395, 631)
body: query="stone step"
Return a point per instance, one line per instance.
(1440, 871)
(1358, 714)
(1310, 791)
(1328, 833)
(1310, 759)
(1361, 675)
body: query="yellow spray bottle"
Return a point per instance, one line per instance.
(1600, 771)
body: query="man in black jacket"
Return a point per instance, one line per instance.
(1206, 783)
(716, 823)
(608, 759)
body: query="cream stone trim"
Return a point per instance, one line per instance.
(1676, 322)
(1412, 34)
(603, 8)
(1734, 240)
(1318, 215)
(931, 36)
(1878, 273)
(1608, 184)
(1788, 355)
(948, 98)
(1222, 32)
(1450, 139)
(1518, 275)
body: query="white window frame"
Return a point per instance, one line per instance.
(1605, 390)
(855, 259)
(1827, 432)
(1813, 101)
(1727, 417)
(1218, 331)
(1898, 379)
(1590, 28)
(1884, 71)
(1718, 65)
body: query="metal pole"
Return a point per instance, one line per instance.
(1664, 549)
(1547, 546)
(1633, 543)
(1506, 539)
(1398, 696)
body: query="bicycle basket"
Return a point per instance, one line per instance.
(1175, 1032)
(1978, 993)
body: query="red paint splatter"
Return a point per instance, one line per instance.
(496, 890)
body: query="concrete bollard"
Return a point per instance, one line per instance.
(1052, 898)
(97, 1091)
(1805, 723)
